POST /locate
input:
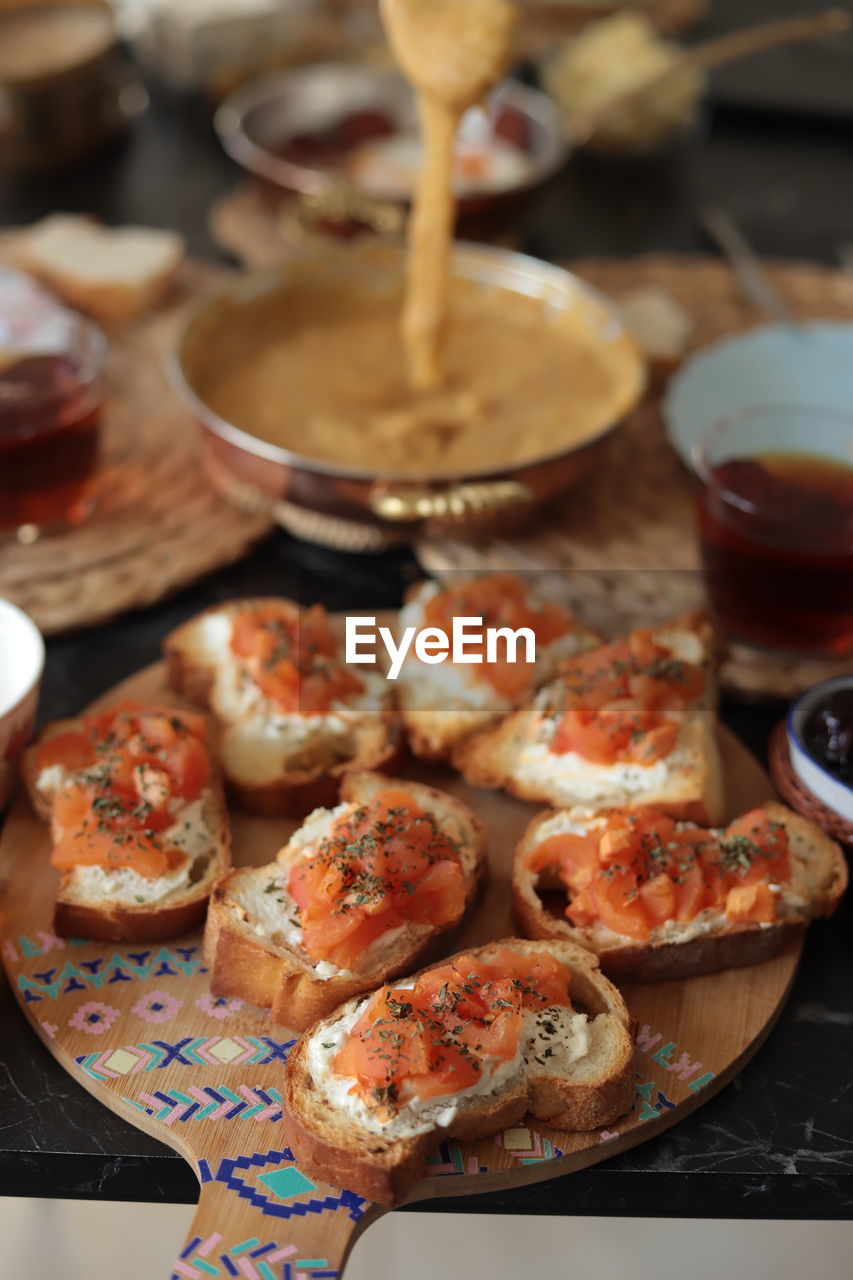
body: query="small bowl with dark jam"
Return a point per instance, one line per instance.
(775, 520)
(50, 418)
(820, 743)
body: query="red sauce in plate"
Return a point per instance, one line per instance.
(329, 148)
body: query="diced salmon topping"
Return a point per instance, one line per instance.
(382, 865)
(126, 766)
(291, 655)
(642, 869)
(501, 600)
(434, 1038)
(156, 739)
(72, 751)
(623, 701)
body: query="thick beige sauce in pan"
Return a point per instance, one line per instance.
(325, 375)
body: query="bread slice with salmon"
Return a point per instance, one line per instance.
(294, 718)
(359, 894)
(444, 704)
(630, 722)
(655, 898)
(462, 1051)
(138, 821)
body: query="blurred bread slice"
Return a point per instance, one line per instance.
(113, 273)
(660, 326)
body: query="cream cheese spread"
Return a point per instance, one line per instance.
(550, 1051)
(51, 780)
(190, 832)
(571, 777)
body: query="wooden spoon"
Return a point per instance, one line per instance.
(453, 52)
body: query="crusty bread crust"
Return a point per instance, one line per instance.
(433, 733)
(255, 969)
(594, 1092)
(109, 303)
(732, 945)
(297, 792)
(147, 922)
(693, 789)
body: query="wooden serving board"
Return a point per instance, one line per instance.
(139, 1028)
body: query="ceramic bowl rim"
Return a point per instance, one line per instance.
(33, 672)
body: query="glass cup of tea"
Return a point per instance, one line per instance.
(775, 518)
(51, 361)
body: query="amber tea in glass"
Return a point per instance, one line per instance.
(775, 516)
(50, 417)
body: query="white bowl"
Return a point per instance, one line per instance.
(808, 366)
(831, 791)
(21, 665)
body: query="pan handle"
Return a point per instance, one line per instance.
(401, 503)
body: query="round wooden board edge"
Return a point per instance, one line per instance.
(574, 1162)
(138, 1119)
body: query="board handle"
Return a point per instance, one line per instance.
(234, 1239)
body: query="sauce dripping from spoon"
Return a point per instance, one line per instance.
(453, 52)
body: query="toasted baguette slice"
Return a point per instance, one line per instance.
(111, 273)
(384, 1162)
(277, 765)
(687, 783)
(251, 958)
(93, 903)
(443, 705)
(683, 950)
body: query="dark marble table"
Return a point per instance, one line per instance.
(778, 1142)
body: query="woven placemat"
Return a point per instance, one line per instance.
(628, 534)
(158, 524)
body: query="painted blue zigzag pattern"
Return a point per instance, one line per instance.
(167, 962)
(194, 1109)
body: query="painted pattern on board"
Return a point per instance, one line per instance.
(231, 1077)
(77, 986)
(270, 1181)
(205, 1256)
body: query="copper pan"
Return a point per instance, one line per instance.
(265, 476)
(259, 118)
